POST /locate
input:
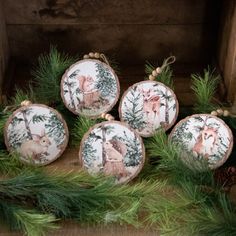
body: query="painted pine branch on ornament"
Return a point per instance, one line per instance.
(133, 112)
(105, 83)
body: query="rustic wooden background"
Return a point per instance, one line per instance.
(197, 32)
(131, 31)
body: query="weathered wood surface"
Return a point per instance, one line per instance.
(4, 51)
(131, 44)
(135, 30)
(109, 12)
(227, 48)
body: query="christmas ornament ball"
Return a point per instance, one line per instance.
(37, 133)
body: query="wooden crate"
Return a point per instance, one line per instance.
(197, 32)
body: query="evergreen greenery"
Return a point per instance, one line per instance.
(106, 82)
(171, 194)
(47, 75)
(81, 126)
(165, 77)
(198, 206)
(75, 196)
(204, 88)
(133, 113)
(31, 222)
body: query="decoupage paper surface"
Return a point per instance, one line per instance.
(147, 106)
(90, 88)
(37, 133)
(113, 149)
(204, 136)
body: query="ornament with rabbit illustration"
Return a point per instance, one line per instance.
(37, 132)
(112, 148)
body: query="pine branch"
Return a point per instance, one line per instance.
(81, 126)
(31, 222)
(204, 88)
(10, 164)
(21, 95)
(196, 205)
(47, 75)
(166, 76)
(78, 196)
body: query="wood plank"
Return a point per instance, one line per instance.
(227, 48)
(131, 44)
(110, 12)
(4, 50)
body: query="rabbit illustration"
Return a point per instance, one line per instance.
(36, 147)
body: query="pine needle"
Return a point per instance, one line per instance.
(79, 196)
(21, 95)
(166, 76)
(47, 75)
(31, 222)
(204, 88)
(10, 164)
(81, 126)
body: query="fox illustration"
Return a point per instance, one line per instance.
(205, 142)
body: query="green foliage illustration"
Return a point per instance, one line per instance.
(106, 83)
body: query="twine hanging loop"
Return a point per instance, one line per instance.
(168, 61)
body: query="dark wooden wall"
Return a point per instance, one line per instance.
(132, 30)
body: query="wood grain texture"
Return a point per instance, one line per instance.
(131, 44)
(4, 50)
(109, 12)
(227, 48)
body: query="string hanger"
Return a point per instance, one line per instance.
(97, 55)
(11, 108)
(168, 61)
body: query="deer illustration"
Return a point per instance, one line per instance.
(91, 96)
(36, 147)
(115, 151)
(151, 103)
(205, 142)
